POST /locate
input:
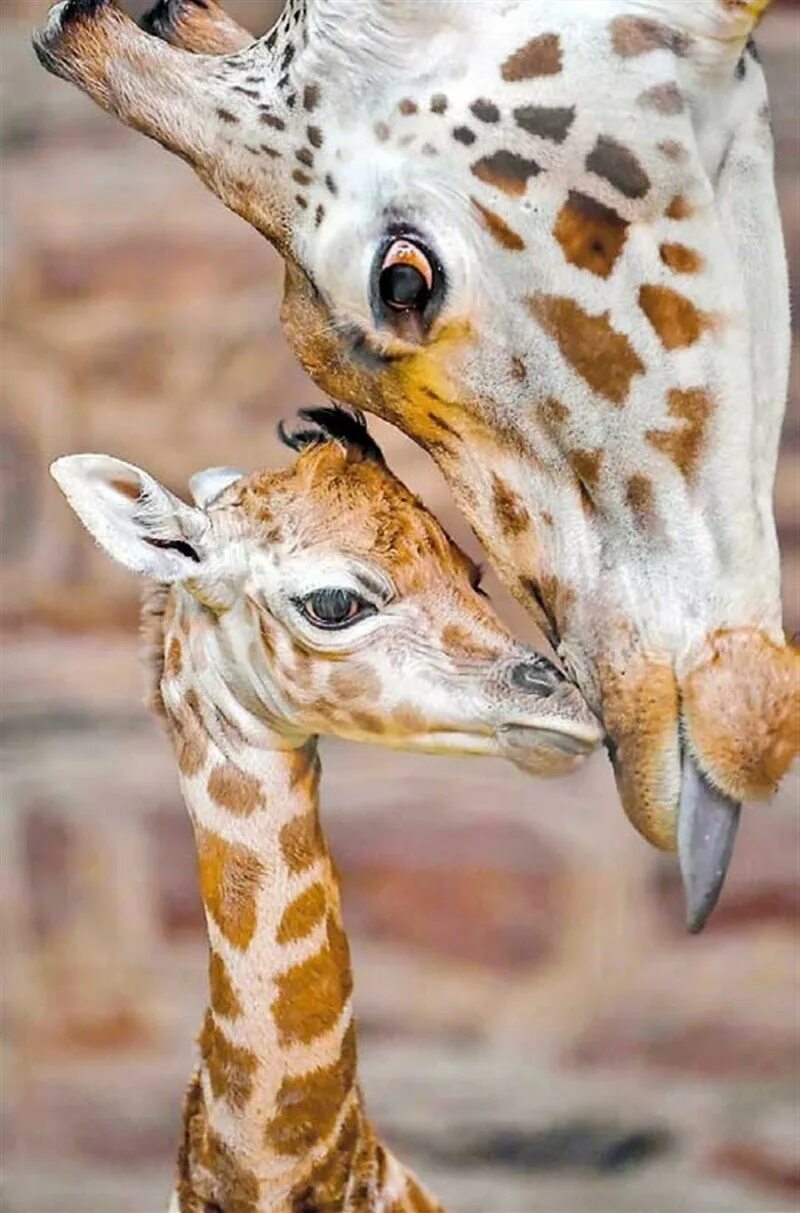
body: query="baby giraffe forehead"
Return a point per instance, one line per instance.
(332, 498)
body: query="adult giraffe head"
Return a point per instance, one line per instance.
(543, 240)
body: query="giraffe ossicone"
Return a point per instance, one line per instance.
(544, 241)
(322, 598)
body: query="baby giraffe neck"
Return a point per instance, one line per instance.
(273, 1121)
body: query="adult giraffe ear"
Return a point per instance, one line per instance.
(712, 33)
(135, 519)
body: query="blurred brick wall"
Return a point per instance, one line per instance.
(519, 955)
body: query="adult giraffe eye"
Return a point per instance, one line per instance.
(407, 277)
(335, 608)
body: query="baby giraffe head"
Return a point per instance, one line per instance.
(324, 598)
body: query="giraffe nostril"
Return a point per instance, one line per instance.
(537, 677)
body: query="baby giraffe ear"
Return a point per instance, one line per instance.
(134, 518)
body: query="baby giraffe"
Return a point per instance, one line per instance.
(322, 598)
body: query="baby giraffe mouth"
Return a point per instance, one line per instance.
(707, 825)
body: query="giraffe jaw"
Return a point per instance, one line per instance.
(707, 824)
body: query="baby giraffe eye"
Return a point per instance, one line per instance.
(334, 608)
(407, 276)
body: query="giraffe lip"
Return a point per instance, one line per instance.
(528, 737)
(707, 825)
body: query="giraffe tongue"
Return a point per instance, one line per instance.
(707, 825)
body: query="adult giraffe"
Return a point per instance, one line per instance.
(543, 240)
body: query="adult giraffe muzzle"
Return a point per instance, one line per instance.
(544, 241)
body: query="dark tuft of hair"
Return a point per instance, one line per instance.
(332, 423)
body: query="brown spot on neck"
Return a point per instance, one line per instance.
(230, 1068)
(509, 510)
(676, 320)
(303, 914)
(235, 790)
(641, 499)
(505, 236)
(539, 57)
(340, 1170)
(230, 880)
(604, 358)
(174, 659)
(308, 1105)
(302, 841)
(312, 994)
(223, 997)
(586, 465)
(684, 444)
(591, 235)
(189, 735)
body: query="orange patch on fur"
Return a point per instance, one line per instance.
(303, 914)
(312, 994)
(741, 706)
(681, 259)
(591, 235)
(230, 1068)
(189, 735)
(235, 790)
(508, 507)
(640, 712)
(307, 1106)
(590, 344)
(539, 57)
(230, 879)
(302, 841)
(684, 444)
(505, 236)
(336, 1171)
(679, 208)
(586, 465)
(208, 1168)
(640, 497)
(173, 663)
(223, 998)
(676, 320)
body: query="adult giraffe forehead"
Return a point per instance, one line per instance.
(543, 239)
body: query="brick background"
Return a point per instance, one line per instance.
(538, 1033)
